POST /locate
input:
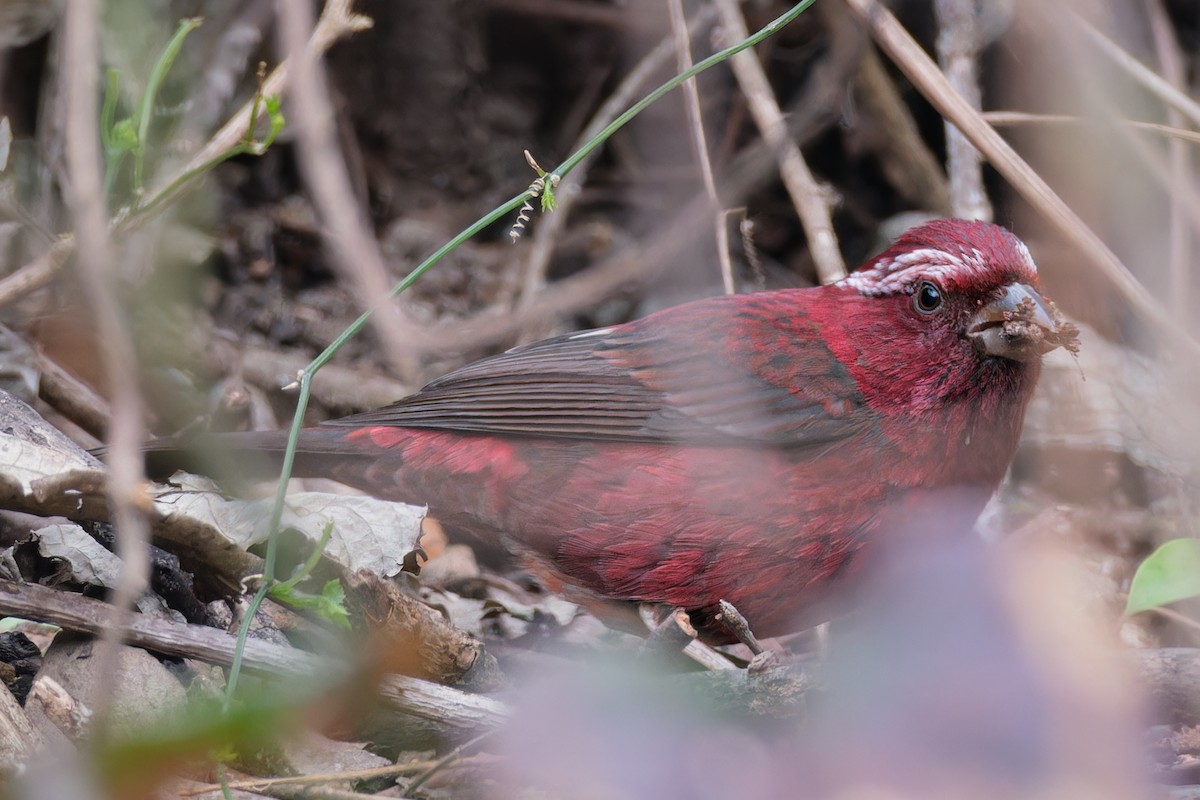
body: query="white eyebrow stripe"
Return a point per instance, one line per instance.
(899, 274)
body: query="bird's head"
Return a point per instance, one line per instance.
(970, 282)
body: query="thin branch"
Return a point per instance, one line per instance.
(353, 775)
(74, 612)
(691, 98)
(347, 230)
(1180, 238)
(73, 398)
(574, 11)
(37, 273)
(908, 163)
(94, 260)
(1148, 78)
(958, 46)
(811, 201)
(1003, 118)
(41, 271)
(1180, 619)
(344, 388)
(1185, 198)
(569, 188)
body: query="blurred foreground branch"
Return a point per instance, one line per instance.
(36, 274)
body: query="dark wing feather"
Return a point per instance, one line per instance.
(693, 374)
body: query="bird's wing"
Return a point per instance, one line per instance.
(728, 370)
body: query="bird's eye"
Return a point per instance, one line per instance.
(927, 298)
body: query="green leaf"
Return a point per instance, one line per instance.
(549, 201)
(329, 604)
(124, 136)
(1169, 574)
(146, 106)
(275, 115)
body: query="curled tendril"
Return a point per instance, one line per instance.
(543, 186)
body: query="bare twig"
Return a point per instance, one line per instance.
(37, 273)
(580, 291)
(691, 97)
(551, 225)
(73, 398)
(347, 230)
(810, 199)
(632, 266)
(74, 612)
(908, 164)
(676, 629)
(41, 271)
(1180, 237)
(1158, 85)
(1178, 618)
(1002, 118)
(344, 388)
(445, 761)
(330, 28)
(574, 11)
(928, 79)
(390, 771)
(1184, 195)
(958, 46)
(94, 260)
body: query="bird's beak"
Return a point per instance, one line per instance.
(1017, 325)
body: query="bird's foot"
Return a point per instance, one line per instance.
(736, 624)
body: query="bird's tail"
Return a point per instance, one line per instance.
(245, 457)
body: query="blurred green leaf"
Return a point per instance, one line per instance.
(275, 115)
(133, 765)
(1169, 574)
(146, 106)
(124, 136)
(549, 201)
(330, 604)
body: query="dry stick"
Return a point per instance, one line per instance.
(352, 775)
(551, 225)
(311, 793)
(810, 199)
(347, 231)
(444, 762)
(1147, 77)
(331, 27)
(1179, 244)
(94, 260)
(924, 74)
(1178, 618)
(341, 387)
(74, 612)
(691, 98)
(72, 398)
(582, 290)
(958, 46)
(638, 263)
(39, 272)
(1185, 197)
(572, 11)
(1002, 118)
(908, 164)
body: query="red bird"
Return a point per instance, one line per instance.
(749, 447)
